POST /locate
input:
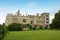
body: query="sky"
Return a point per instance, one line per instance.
(28, 7)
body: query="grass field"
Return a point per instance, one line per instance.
(34, 35)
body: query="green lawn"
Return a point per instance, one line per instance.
(34, 35)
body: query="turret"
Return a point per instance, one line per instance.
(18, 13)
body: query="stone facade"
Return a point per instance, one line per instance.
(34, 20)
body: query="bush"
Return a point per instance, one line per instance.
(14, 27)
(41, 27)
(34, 28)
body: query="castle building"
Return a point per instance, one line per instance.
(34, 20)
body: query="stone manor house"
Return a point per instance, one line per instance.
(34, 20)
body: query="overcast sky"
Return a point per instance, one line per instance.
(28, 6)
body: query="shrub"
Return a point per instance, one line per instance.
(14, 27)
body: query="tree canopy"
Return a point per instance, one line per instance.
(2, 31)
(56, 21)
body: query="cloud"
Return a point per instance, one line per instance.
(29, 5)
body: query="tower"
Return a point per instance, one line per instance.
(18, 13)
(45, 20)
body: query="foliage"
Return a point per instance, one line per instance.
(41, 27)
(14, 27)
(2, 31)
(56, 21)
(34, 28)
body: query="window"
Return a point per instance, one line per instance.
(24, 20)
(24, 26)
(47, 15)
(46, 25)
(31, 22)
(47, 18)
(47, 22)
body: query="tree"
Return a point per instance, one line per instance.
(15, 27)
(56, 21)
(2, 32)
